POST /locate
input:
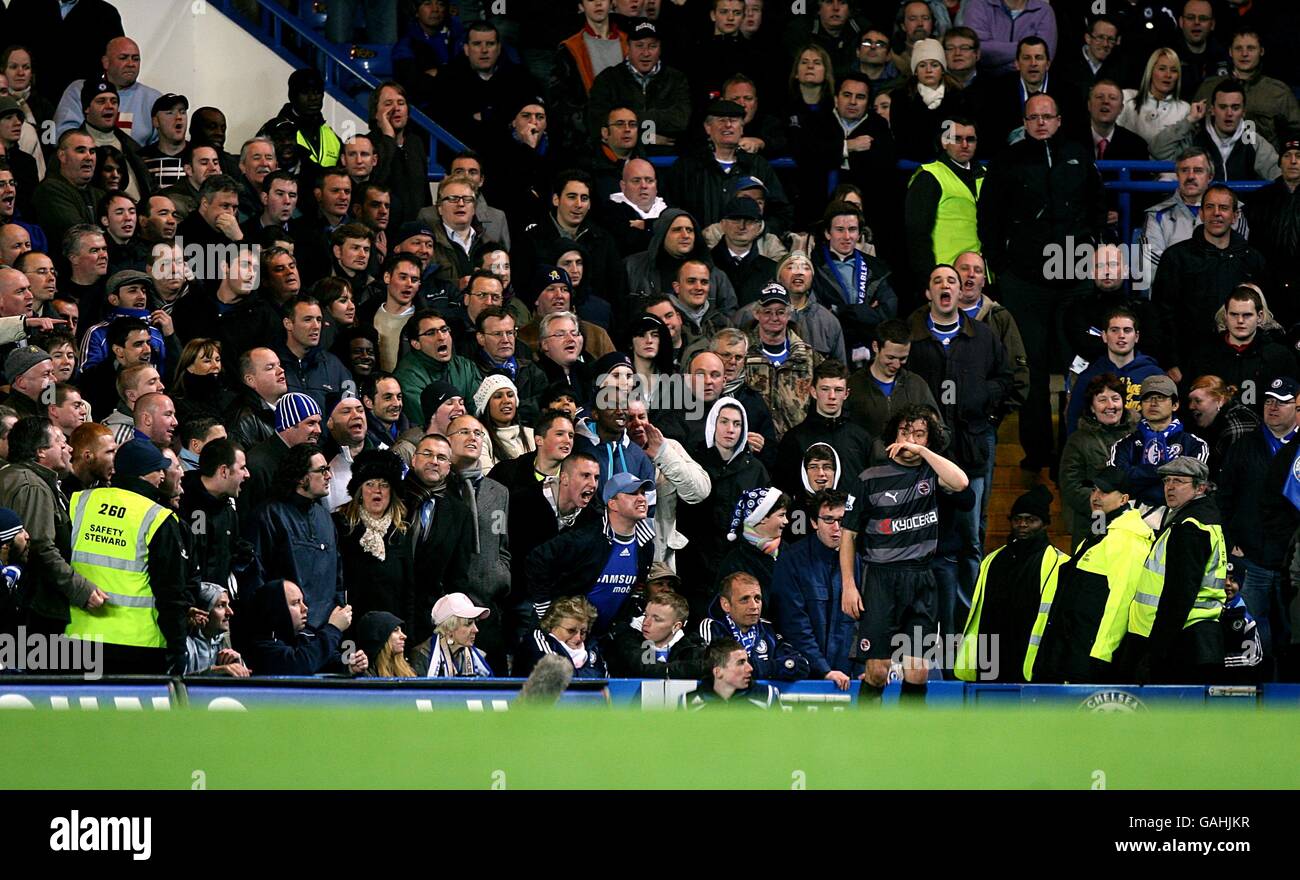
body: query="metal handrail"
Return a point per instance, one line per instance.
(271, 33)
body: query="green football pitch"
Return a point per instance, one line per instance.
(582, 748)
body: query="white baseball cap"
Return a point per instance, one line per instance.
(456, 605)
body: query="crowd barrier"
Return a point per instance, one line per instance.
(145, 693)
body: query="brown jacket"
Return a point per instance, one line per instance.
(49, 584)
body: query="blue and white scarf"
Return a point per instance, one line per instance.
(861, 275)
(747, 639)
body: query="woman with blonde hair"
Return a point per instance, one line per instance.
(379, 635)
(1219, 418)
(1155, 105)
(564, 633)
(450, 651)
(371, 531)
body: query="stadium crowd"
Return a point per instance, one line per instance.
(628, 387)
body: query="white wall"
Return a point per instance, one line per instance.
(189, 47)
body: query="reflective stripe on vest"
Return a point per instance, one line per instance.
(955, 220)
(1210, 592)
(327, 155)
(966, 666)
(111, 531)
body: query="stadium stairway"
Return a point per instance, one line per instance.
(1010, 482)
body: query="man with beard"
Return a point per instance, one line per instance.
(997, 645)
(441, 531)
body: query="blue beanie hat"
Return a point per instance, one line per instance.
(10, 525)
(293, 409)
(137, 458)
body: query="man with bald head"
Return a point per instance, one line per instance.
(16, 300)
(630, 213)
(155, 419)
(121, 64)
(1042, 197)
(14, 242)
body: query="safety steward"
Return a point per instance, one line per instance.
(1009, 596)
(1081, 623)
(1174, 618)
(127, 542)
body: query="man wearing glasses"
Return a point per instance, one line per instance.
(457, 236)
(484, 291)
(496, 351)
(430, 357)
(1040, 197)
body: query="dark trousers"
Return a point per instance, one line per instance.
(1039, 312)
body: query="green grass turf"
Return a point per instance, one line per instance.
(574, 748)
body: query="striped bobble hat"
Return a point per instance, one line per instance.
(10, 525)
(293, 409)
(754, 504)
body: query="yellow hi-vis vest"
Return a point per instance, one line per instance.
(967, 665)
(1210, 595)
(1118, 557)
(955, 222)
(327, 155)
(111, 531)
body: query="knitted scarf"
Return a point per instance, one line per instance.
(931, 98)
(769, 546)
(374, 540)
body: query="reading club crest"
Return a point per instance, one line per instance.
(923, 487)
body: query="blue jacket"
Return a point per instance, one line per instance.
(772, 657)
(1141, 367)
(94, 346)
(538, 644)
(295, 540)
(806, 606)
(316, 374)
(617, 457)
(1140, 453)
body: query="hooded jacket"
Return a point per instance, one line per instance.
(850, 441)
(707, 523)
(266, 637)
(1190, 285)
(652, 272)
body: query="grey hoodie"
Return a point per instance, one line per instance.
(643, 269)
